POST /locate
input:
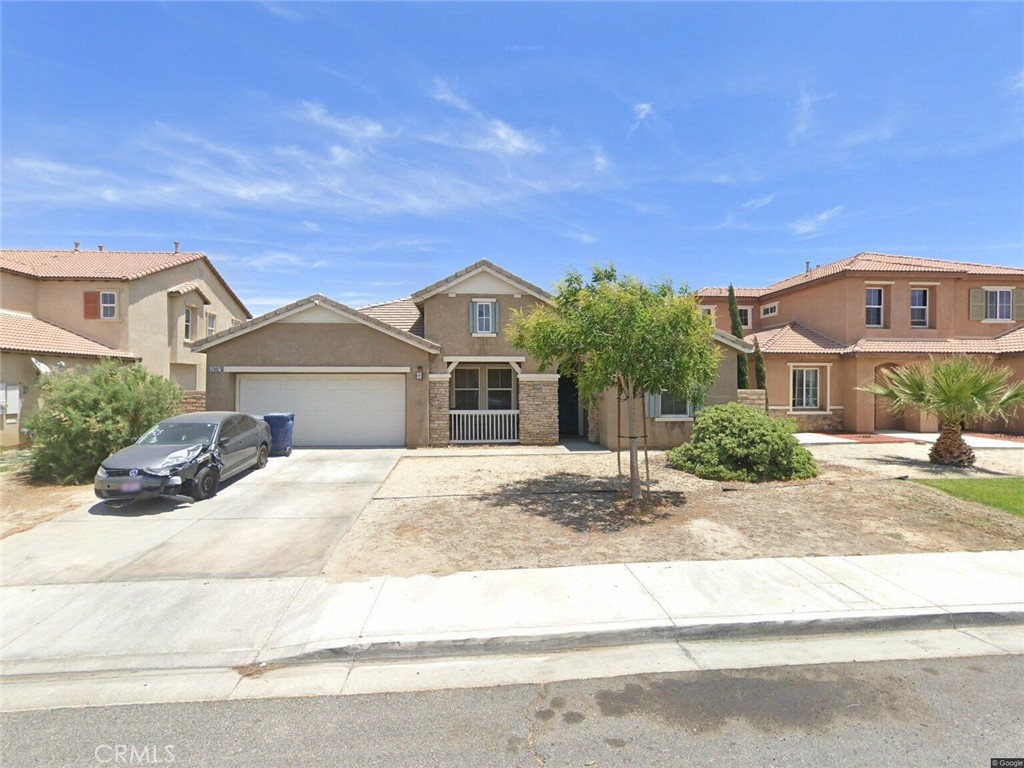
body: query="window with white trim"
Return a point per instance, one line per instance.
(770, 310)
(108, 305)
(211, 324)
(805, 388)
(190, 322)
(707, 311)
(999, 304)
(873, 307)
(483, 317)
(918, 307)
(466, 389)
(500, 389)
(744, 317)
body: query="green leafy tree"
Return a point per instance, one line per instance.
(957, 390)
(736, 442)
(618, 332)
(85, 415)
(742, 371)
(760, 371)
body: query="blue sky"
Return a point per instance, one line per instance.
(364, 151)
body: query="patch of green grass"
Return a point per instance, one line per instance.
(1005, 493)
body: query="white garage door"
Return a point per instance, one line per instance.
(331, 409)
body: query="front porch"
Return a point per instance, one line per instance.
(484, 400)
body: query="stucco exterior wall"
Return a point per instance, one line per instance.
(446, 321)
(665, 433)
(322, 344)
(17, 293)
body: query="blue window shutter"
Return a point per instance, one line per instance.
(653, 405)
(472, 317)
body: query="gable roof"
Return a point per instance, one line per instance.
(870, 262)
(25, 333)
(740, 345)
(481, 266)
(102, 265)
(183, 288)
(795, 338)
(403, 314)
(317, 299)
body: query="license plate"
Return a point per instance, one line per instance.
(131, 487)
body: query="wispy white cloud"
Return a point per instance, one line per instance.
(442, 91)
(581, 237)
(812, 224)
(283, 10)
(641, 112)
(354, 128)
(310, 226)
(1017, 82)
(758, 202)
(601, 161)
(873, 134)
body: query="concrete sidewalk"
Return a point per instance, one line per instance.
(219, 623)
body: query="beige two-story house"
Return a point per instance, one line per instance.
(831, 328)
(431, 369)
(75, 307)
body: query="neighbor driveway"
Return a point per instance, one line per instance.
(283, 520)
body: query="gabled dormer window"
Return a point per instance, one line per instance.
(483, 317)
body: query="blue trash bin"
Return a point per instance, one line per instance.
(281, 425)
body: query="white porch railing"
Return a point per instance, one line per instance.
(484, 426)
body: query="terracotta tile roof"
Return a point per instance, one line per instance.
(403, 314)
(101, 265)
(872, 262)
(183, 288)
(482, 264)
(24, 333)
(722, 293)
(316, 298)
(794, 338)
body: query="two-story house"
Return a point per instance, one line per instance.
(831, 328)
(75, 307)
(431, 369)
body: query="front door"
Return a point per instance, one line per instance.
(568, 406)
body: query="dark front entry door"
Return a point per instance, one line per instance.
(568, 406)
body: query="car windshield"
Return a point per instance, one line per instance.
(187, 433)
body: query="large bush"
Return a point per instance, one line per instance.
(85, 415)
(735, 442)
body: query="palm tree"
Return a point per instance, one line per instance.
(958, 390)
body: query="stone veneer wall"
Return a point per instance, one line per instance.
(755, 398)
(594, 425)
(814, 422)
(438, 406)
(538, 412)
(193, 401)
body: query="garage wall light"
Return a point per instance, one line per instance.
(419, 373)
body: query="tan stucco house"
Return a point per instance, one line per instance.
(76, 307)
(431, 369)
(831, 328)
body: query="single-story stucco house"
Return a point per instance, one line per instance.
(431, 369)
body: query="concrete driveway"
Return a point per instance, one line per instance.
(283, 520)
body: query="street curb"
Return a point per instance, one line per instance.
(572, 641)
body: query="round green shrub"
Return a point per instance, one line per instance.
(735, 442)
(86, 415)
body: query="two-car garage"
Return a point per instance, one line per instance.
(331, 409)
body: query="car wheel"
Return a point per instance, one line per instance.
(204, 484)
(261, 456)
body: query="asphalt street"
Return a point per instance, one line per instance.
(934, 712)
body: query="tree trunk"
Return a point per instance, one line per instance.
(635, 492)
(950, 449)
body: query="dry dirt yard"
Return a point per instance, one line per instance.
(25, 504)
(448, 513)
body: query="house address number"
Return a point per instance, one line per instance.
(216, 369)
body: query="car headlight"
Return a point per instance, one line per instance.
(101, 472)
(175, 461)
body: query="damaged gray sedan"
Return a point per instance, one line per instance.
(188, 454)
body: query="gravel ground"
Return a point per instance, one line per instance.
(443, 514)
